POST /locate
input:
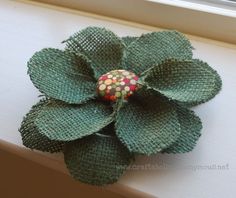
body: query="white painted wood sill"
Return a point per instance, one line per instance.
(26, 28)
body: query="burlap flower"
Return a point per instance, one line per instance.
(99, 137)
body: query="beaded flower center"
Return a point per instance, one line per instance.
(117, 84)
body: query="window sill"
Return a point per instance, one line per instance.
(27, 28)
(203, 20)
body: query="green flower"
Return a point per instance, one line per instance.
(99, 138)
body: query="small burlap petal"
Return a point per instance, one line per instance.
(97, 159)
(191, 126)
(189, 82)
(62, 75)
(101, 46)
(64, 122)
(153, 48)
(128, 40)
(148, 123)
(32, 138)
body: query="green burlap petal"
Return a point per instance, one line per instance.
(127, 40)
(62, 75)
(60, 121)
(32, 138)
(190, 132)
(188, 82)
(152, 48)
(97, 159)
(148, 123)
(101, 46)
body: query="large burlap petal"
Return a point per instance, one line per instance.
(148, 123)
(101, 46)
(97, 159)
(60, 121)
(191, 126)
(31, 137)
(153, 48)
(189, 82)
(62, 75)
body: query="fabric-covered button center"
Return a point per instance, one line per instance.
(117, 84)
